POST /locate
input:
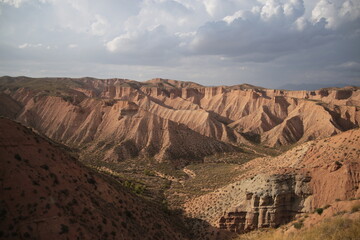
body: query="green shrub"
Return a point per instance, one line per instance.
(319, 211)
(298, 225)
(17, 157)
(148, 172)
(64, 229)
(135, 187)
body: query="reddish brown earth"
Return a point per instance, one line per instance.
(46, 194)
(175, 122)
(272, 190)
(168, 119)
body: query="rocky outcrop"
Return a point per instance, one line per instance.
(282, 197)
(271, 190)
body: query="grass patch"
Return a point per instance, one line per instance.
(335, 229)
(208, 177)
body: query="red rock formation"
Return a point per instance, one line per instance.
(272, 190)
(76, 114)
(277, 203)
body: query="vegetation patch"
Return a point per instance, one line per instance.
(319, 211)
(334, 229)
(298, 225)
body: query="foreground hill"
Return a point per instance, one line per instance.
(125, 118)
(46, 194)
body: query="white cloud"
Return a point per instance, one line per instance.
(156, 41)
(29, 45)
(350, 10)
(336, 12)
(185, 34)
(25, 45)
(229, 19)
(301, 23)
(294, 8)
(72, 45)
(15, 3)
(218, 8)
(272, 8)
(271, 30)
(100, 26)
(171, 14)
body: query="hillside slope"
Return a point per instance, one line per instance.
(272, 190)
(46, 194)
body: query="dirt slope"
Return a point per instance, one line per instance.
(45, 194)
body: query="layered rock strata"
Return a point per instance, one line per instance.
(282, 197)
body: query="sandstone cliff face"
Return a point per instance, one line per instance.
(279, 200)
(260, 201)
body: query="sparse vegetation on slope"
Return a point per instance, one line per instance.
(334, 229)
(47, 194)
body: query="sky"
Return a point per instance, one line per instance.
(270, 43)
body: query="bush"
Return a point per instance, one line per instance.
(17, 157)
(64, 229)
(135, 187)
(298, 225)
(319, 211)
(46, 167)
(139, 189)
(148, 172)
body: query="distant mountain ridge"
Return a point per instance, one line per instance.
(314, 86)
(90, 112)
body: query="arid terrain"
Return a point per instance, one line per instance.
(163, 159)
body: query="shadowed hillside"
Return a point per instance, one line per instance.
(46, 194)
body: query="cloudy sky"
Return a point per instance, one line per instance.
(270, 43)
